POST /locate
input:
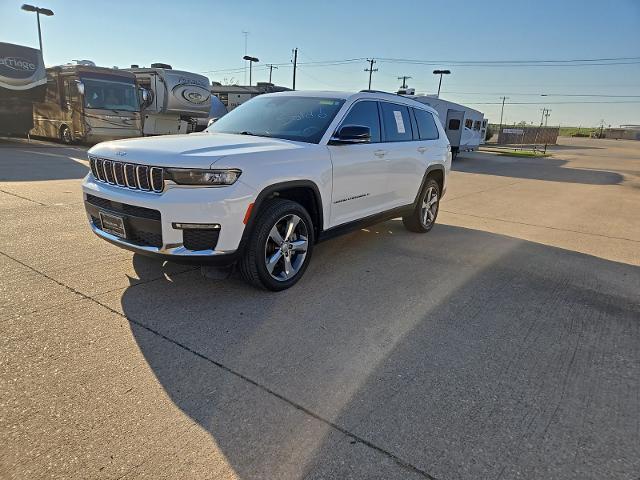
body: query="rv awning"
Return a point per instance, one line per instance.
(21, 68)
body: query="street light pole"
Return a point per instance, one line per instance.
(251, 60)
(37, 10)
(441, 72)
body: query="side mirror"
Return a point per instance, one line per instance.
(147, 96)
(211, 121)
(349, 134)
(80, 87)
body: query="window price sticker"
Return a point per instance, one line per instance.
(399, 121)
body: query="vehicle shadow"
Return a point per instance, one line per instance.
(22, 162)
(470, 361)
(541, 168)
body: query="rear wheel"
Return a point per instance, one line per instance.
(280, 246)
(65, 135)
(424, 215)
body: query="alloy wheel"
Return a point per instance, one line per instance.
(286, 247)
(429, 206)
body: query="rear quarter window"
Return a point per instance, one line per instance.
(427, 129)
(397, 123)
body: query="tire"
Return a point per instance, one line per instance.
(424, 215)
(66, 136)
(268, 241)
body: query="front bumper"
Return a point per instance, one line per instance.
(149, 218)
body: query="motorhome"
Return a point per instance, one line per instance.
(466, 128)
(86, 103)
(22, 80)
(178, 99)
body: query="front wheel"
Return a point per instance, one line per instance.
(280, 246)
(424, 215)
(66, 136)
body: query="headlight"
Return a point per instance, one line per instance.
(189, 176)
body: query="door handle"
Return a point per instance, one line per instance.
(380, 153)
(422, 149)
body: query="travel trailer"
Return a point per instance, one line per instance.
(178, 99)
(22, 80)
(85, 103)
(466, 128)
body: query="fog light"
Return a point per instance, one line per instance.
(201, 226)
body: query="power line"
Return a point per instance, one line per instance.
(553, 103)
(546, 94)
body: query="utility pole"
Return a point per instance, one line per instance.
(295, 65)
(370, 69)
(404, 79)
(546, 118)
(502, 112)
(271, 67)
(545, 113)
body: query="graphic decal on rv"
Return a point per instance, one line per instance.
(193, 94)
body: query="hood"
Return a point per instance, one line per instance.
(194, 150)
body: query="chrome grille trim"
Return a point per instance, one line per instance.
(127, 175)
(156, 186)
(130, 170)
(142, 175)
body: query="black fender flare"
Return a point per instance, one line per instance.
(430, 169)
(269, 191)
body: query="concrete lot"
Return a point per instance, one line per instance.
(504, 344)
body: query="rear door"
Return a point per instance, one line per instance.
(405, 167)
(454, 126)
(432, 149)
(359, 170)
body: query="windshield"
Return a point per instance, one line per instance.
(110, 94)
(303, 119)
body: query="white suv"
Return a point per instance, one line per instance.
(268, 180)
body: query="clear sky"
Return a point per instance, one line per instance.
(206, 36)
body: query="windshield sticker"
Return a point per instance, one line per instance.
(399, 121)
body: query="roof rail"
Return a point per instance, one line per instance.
(376, 91)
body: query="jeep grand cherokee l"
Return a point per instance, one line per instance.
(268, 180)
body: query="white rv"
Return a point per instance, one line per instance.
(178, 99)
(466, 128)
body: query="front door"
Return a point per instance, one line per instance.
(454, 125)
(73, 107)
(359, 170)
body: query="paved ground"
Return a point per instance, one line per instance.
(504, 344)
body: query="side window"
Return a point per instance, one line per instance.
(476, 125)
(365, 113)
(427, 128)
(454, 124)
(468, 123)
(397, 124)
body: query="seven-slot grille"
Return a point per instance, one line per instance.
(128, 175)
